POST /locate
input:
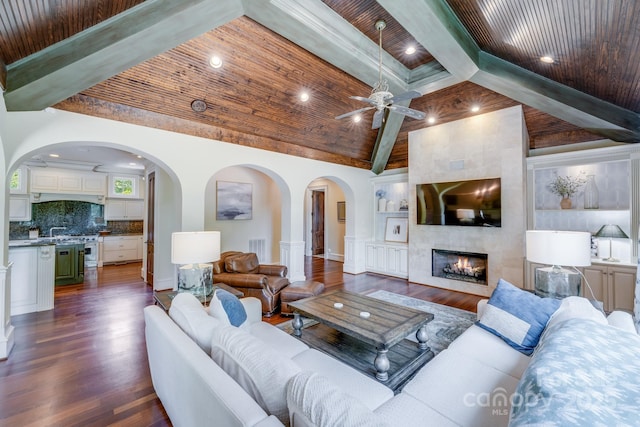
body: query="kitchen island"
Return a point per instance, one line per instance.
(32, 275)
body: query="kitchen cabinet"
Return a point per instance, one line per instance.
(614, 285)
(117, 249)
(69, 264)
(19, 208)
(124, 209)
(50, 180)
(32, 278)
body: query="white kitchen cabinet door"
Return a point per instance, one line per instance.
(19, 208)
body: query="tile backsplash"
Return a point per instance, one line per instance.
(80, 218)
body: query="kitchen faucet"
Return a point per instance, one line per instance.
(55, 228)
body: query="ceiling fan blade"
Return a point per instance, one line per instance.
(363, 99)
(377, 119)
(407, 95)
(353, 113)
(414, 114)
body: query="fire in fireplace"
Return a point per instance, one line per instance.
(456, 265)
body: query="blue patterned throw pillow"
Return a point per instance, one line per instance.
(226, 307)
(517, 316)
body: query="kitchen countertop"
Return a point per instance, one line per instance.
(32, 242)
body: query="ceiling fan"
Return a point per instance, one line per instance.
(381, 99)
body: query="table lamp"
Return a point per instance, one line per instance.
(611, 231)
(194, 252)
(558, 248)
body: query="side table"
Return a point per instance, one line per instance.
(164, 298)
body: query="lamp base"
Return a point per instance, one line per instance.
(196, 279)
(554, 282)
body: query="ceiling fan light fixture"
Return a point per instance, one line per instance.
(431, 120)
(304, 96)
(381, 99)
(357, 118)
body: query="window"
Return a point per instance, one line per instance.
(18, 181)
(125, 186)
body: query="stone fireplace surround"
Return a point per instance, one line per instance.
(487, 145)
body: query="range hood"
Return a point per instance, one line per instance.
(56, 197)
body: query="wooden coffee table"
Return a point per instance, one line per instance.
(164, 298)
(376, 344)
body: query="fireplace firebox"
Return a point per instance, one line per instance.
(456, 265)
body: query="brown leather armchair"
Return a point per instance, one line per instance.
(263, 281)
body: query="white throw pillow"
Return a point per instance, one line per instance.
(314, 401)
(188, 313)
(576, 308)
(261, 371)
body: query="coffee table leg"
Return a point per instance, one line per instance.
(422, 337)
(297, 324)
(381, 363)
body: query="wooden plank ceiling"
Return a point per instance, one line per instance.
(467, 52)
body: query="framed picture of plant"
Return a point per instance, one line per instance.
(234, 200)
(342, 212)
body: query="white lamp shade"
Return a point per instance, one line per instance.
(193, 247)
(569, 248)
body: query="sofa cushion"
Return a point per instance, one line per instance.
(406, 411)
(574, 307)
(227, 308)
(467, 391)
(188, 313)
(517, 316)
(280, 341)
(261, 371)
(345, 377)
(218, 266)
(483, 346)
(242, 263)
(313, 400)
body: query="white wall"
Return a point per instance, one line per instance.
(266, 218)
(488, 145)
(188, 164)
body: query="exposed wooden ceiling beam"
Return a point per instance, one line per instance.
(104, 50)
(386, 140)
(436, 27)
(3, 76)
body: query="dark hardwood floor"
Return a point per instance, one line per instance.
(85, 364)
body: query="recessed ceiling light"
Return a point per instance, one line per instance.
(215, 61)
(547, 59)
(431, 120)
(54, 155)
(475, 108)
(304, 96)
(132, 163)
(410, 50)
(357, 118)
(139, 156)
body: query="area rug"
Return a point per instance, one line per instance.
(447, 324)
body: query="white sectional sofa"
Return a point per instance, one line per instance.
(472, 383)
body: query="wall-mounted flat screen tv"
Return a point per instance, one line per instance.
(467, 203)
